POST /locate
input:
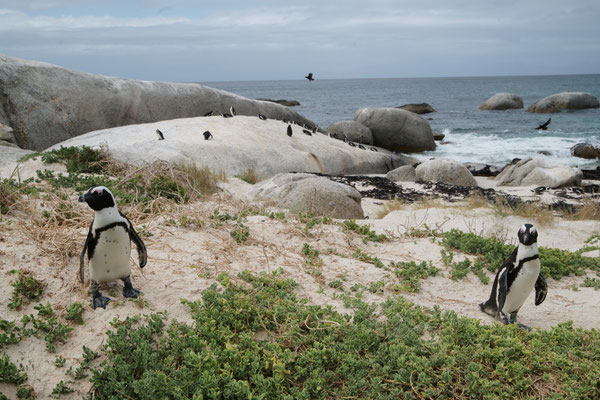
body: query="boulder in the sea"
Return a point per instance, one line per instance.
(405, 173)
(565, 101)
(283, 102)
(239, 144)
(418, 108)
(50, 104)
(351, 130)
(438, 137)
(396, 129)
(539, 172)
(585, 150)
(502, 101)
(445, 171)
(310, 194)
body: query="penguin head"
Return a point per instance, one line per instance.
(527, 235)
(98, 198)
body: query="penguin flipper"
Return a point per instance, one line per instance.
(490, 307)
(541, 289)
(502, 289)
(82, 255)
(139, 244)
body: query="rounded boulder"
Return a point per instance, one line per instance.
(445, 171)
(351, 130)
(502, 101)
(565, 101)
(539, 172)
(397, 129)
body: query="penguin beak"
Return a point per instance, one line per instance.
(82, 198)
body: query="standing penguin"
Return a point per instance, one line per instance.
(516, 278)
(289, 131)
(108, 245)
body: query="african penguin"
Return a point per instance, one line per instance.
(108, 245)
(516, 278)
(263, 117)
(360, 146)
(232, 110)
(227, 115)
(307, 132)
(289, 130)
(208, 114)
(207, 135)
(160, 135)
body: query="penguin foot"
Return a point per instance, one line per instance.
(99, 301)
(131, 292)
(524, 327)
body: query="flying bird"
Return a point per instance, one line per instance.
(544, 126)
(310, 76)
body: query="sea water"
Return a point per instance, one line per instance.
(472, 135)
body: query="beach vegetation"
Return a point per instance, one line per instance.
(9, 372)
(25, 289)
(74, 312)
(365, 231)
(410, 274)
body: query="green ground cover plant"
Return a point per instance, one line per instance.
(258, 340)
(365, 231)
(25, 289)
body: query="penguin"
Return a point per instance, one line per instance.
(516, 278)
(207, 135)
(160, 135)
(314, 130)
(289, 131)
(263, 117)
(208, 114)
(232, 111)
(108, 245)
(374, 149)
(227, 115)
(360, 146)
(352, 144)
(306, 132)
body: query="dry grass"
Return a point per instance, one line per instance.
(542, 214)
(249, 176)
(589, 210)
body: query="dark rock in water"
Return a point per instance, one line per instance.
(593, 174)
(544, 152)
(585, 150)
(480, 169)
(438, 136)
(418, 108)
(287, 103)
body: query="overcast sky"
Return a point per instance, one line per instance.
(261, 40)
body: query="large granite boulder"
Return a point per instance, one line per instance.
(238, 144)
(350, 130)
(405, 173)
(585, 150)
(539, 172)
(9, 155)
(396, 129)
(418, 108)
(565, 101)
(46, 104)
(310, 193)
(7, 138)
(502, 101)
(445, 171)
(283, 102)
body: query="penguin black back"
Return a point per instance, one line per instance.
(289, 131)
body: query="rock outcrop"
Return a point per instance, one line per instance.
(405, 173)
(585, 150)
(418, 108)
(283, 102)
(7, 138)
(565, 101)
(310, 194)
(396, 129)
(502, 101)
(445, 171)
(351, 130)
(238, 144)
(539, 172)
(47, 104)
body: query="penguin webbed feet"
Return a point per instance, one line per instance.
(129, 291)
(99, 301)
(513, 320)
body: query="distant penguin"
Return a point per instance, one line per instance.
(352, 144)
(108, 245)
(208, 114)
(160, 135)
(207, 135)
(232, 110)
(289, 131)
(227, 115)
(516, 278)
(360, 146)
(374, 149)
(307, 132)
(285, 121)
(345, 138)
(263, 117)
(314, 130)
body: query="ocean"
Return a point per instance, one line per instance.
(490, 137)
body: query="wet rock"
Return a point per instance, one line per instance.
(418, 108)
(585, 150)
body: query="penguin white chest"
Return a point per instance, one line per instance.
(522, 286)
(110, 260)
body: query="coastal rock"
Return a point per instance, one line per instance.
(445, 171)
(565, 101)
(287, 103)
(418, 108)
(585, 150)
(480, 169)
(352, 130)
(396, 129)
(405, 173)
(310, 194)
(238, 144)
(438, 137)
(6, 134)
(539, 172)
(46, 104)
(9, 155)
(502, 101)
